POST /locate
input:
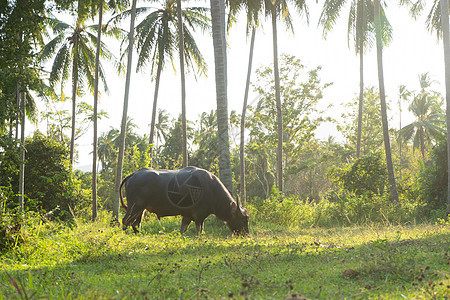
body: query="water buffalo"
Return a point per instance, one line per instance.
(191, 192)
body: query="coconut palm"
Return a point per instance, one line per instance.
(73, 49)
(156, 37)
(380, 21)
(275, 9)
(220, 64)
(253, 10)
(361, 31)
(438, 21)
(162, 127)
(112, 4)
(429, 117)
(123, 126)
(403, 95)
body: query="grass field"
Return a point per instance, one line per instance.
(96, 261)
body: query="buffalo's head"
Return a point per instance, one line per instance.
(238, 223)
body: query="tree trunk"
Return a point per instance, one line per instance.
(387, 144)
(74, 100)
(361, 83)
(123, 127)
(446, 42)
(183, 84)
(220, 63)
(278, 100)
(94, 151)
(244, 109)
(17, 111)
(399, 139)
(155, 101)
(22, 155)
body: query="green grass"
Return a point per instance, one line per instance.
(96, 261)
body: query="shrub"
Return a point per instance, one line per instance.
(283, 211)
(10, 230)
(432, 179)
(367, 175)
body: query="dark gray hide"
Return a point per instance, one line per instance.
(190, 192)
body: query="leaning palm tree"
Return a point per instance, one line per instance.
(156, 37)
(380, 21)
(275, 9)
(123, 126)
(73, 49)
(361, 30)
(253, 10)
(113, 5)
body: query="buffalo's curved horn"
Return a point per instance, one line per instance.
(238, 201)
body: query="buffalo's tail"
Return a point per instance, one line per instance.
(120, 190)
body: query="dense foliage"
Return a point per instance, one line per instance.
(323, 182)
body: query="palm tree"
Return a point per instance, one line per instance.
(360, 29)
(106, 147)
(274, 9)
(380, 21)
(162, 126)
(438, 21)
(220, 63)
(253, 10)
(74, 54)
(183, 83)
(95, 117)
(446, 42)
(123, 127)
(403, 95)
(429, 117)
(156, 38)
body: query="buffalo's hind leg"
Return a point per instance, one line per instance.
(137, 224)
(133, 218)
(199, 226)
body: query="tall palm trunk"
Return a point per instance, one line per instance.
(22, 154)
(123, 127)
(155, 102)
(361, 82)
(94, 151)
(277, 99)
(244, 109)
(17, 111)
(220, 62)
(399, 139)
(446, 41)
(183, 83)
(74, 99)
(387, 144)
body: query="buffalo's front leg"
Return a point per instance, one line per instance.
(185, 224)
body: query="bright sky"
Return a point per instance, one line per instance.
(413, 51)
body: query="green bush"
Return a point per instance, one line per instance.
(49, 180)
(10, 230)
(367, 175)
(283, 211)
(432, 179)
(337, 208)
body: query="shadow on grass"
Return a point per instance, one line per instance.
(216, 265)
